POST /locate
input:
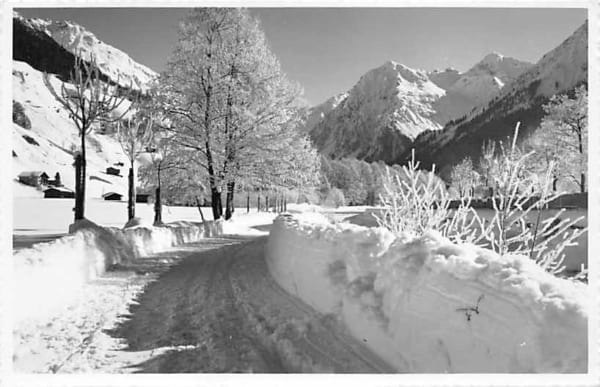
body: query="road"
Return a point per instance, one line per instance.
(219, 310)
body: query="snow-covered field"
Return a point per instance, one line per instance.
(33, 215)
(426, 305)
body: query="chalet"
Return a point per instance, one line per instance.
(142, 197)
(112, 196)
(56, 182)
(58, 193)
(113, 171)
(33, 178)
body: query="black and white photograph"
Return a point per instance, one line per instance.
(292, 189)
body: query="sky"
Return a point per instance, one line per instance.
(326, 50)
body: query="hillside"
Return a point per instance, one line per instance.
(49, 144)
(50, 46)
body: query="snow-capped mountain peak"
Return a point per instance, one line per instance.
(477, 86)
(387, 108)
(445, 78)
(112, 62)
(498, 65)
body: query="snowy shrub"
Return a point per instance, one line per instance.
(415, 203)
(19, 117)
(519, 195)
(414, 206)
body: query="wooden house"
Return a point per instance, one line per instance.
(112, 196)
(58, 193)
(142, 197)
(33, 178)
(113, 171)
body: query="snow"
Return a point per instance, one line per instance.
(113, 62)
(58, 137)
(409, 101)
(88, 252)
(58, 214)
(563, 68)
(477, 86)
(427, 305)
(575, 256)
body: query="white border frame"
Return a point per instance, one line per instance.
(8, 378)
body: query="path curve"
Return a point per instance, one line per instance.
(219, 310)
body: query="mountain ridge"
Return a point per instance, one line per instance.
(75, 39)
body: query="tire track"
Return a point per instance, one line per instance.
(219, 310)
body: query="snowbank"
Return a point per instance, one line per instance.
(48, 275)
(427, 305)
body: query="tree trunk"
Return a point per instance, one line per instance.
(267, 204)
(77, 209)
(258, 203)
(583, 167)
(554, 183)
(131, 198)
(80, 178)
(229, 200)
(157, 208)
(216, 204)
(200, 209)
(157, 202)
(248, 203)
(284, 204)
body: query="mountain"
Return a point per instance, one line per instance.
(445, 115)
(478, 85)
(381, 115)
(32, 35)
(317, 113)
(444, 79)
(559, 71)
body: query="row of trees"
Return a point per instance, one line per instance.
(560, 142)
(350, 181)
(222, 115)
(229, 110)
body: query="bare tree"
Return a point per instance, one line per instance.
(88, 100)
(134, 135)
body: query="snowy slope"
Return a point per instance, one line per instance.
(317, 113)
(558, 71)
(383, 112)
(57, 137)
(477, 86)
(114, 63)
(444, 79)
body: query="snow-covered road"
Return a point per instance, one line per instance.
(219, 310)
(210, 306)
